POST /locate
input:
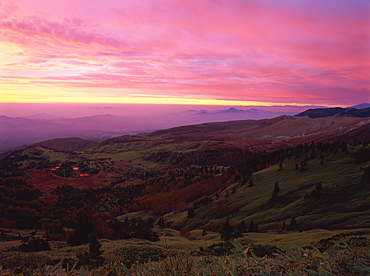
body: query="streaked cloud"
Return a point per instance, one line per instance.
(278, 52)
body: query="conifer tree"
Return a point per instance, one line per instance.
(242, 227)
(252, 227)
(94, 246)
(94, 256)
(293, 224)
(274, 196)
(161, 222)
(281, 165)
(227, 231)
(191, 213)
(83, 230)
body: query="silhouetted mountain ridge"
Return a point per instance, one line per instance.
(335, 111)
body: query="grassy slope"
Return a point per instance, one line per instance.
(138, 149)
(344, 202)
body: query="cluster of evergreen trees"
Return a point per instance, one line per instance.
(227, 231)
(133, 228)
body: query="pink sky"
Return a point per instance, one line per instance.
(225, 52)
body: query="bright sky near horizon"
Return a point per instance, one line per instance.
(225, 52)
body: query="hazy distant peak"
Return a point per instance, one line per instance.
(360, 106)
(203, 112)
(235, 110)
(104, 115)
(99, 115)
(232, 109)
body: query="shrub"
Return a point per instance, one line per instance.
(34, 245)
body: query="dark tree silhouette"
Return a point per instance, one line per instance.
(34, 245)
(227, 231)
(243, 181)
(366, 175)
(191, 213)
(94, 256)
(292, 225)
(274, 196)
(161, 222)
(281, 165)
(242, 228)
(84, 228)
(252, 227)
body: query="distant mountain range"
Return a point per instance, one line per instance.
(20, 131)
(225, 137)
(236, 114)
(15, 132)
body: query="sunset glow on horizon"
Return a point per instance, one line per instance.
(244, 53)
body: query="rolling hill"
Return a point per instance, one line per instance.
(255, 180)
(336, 111)
(66, 144)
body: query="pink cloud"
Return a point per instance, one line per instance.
(64, 32)
(244, 50)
